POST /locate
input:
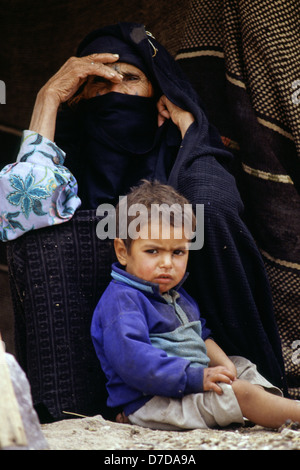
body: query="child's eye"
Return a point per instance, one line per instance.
(152, 251)
(179, 252)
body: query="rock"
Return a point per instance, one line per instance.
(290, 434)
(31, 424)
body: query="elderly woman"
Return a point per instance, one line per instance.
(120, 111)
(118, 137)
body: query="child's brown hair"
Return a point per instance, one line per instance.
(153, 195)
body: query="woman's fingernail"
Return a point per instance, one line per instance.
(116, 55)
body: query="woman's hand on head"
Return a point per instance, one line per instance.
(65, 83)
(168, 110)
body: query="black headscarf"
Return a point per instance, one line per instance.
(227, 276)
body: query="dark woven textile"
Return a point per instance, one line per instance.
(242, 57)
(57, 276)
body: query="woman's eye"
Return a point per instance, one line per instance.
(130, 78)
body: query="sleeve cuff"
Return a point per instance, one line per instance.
(194, 383)
(38, 149)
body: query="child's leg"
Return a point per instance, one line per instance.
(264, 408)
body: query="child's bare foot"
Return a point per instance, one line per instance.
(122, 418)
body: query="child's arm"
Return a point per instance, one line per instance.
(120, 334)
(221, 368)
(218, 357)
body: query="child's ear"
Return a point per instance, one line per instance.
(121, 251)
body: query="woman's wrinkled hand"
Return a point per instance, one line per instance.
(64, 84)
(168, 110)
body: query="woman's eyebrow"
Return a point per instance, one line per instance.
(130, 75)
(123, 70)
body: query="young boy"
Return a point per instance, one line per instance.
(162, 365)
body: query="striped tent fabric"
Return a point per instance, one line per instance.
(242, 57)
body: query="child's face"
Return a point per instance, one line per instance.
(162, 261)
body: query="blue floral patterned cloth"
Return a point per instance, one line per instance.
(37, 190)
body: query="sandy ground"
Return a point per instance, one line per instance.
(95, 433)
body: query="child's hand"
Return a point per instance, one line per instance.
(212, 375)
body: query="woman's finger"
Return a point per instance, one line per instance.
(163, 112)
(95, 64)
(105, 58)
(76, 70)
